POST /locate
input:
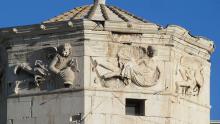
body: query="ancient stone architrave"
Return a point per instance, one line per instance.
(134, 65)
(60, 66)
(191, 73)
(126, 38)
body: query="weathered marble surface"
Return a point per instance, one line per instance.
(84, 71)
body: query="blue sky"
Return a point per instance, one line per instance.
(200, 17)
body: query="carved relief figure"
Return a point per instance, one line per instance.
(33, 76)
(64, 66)
(134, 66)
(54, 66)
(191, 72)
(38, 73)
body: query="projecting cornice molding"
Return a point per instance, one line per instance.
(175, 32)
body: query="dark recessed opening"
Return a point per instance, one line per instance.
(135, 107)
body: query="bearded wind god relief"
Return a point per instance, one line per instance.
(53, 66)
(134, 65)
(192, 77)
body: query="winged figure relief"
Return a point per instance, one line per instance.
(51, 65)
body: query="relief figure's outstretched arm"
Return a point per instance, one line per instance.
(52, 65)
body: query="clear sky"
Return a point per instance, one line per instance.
(200, 17)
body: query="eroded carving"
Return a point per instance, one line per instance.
(37, 74)
(191, 73)
(64, 66)
(133, 65)
(55, 66)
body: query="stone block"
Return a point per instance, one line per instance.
(19, 110)
(57, 105)
(23, 121)
(101, 105)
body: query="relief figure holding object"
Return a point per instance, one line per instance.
(64, 66)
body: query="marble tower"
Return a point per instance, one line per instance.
(99, 64)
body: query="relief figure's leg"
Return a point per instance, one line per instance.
(109, 66)
(111, 75)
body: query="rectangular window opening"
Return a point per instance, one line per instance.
(135, 107)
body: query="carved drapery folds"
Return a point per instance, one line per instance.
(134, 65)
(55, 66)
(192, 79)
